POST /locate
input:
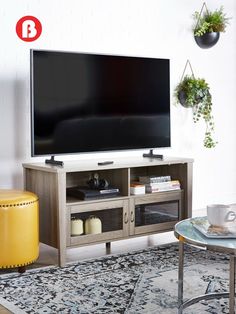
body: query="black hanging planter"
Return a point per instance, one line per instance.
(181, 94)
(194, 93)
(208, 27)
(182, 99)
(207, 40)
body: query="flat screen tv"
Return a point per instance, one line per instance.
(83, 102)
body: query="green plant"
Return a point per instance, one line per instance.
(215, 21)
(195, 93)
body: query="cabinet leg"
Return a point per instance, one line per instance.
(61, 257)
(108, 247)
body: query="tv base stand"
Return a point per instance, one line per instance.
(151, 155)
(54, 162)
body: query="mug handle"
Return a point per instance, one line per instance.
(230, 214)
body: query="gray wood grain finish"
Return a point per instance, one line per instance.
(50, 183)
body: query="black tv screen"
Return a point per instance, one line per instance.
(84, 102)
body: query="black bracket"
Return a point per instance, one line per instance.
(54, 162)
(151, 155)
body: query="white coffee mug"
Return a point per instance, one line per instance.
(220, 215)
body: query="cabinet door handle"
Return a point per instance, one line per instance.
(126, 218)
(132, 217)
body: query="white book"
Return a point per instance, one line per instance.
(154, 190)
(137, 190)
(164, 184)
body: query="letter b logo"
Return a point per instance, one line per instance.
(28, 28)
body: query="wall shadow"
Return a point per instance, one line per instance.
(21, 119)
(14, 130)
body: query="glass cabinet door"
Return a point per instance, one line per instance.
(155, 213)
(150, 214)
(94, 222)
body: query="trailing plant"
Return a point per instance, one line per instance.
(215, 21)
(195, 93)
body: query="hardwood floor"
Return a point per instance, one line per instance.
(3, 310)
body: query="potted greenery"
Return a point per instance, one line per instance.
(194, 93)
(208, 26)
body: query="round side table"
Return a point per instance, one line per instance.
(186, 233)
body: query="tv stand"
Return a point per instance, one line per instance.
(54, 162)
(124, 216)
(151, 155)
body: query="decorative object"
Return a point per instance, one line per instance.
(96, 183)
(208, 26)
(139, 282)
(210, 231)
(93, 225)
(76, 227)
(194, 93)
(19, 229)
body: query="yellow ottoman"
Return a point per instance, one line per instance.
(19, 228)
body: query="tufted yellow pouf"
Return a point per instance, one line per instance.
(19, 228)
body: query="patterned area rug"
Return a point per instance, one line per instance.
(132, 283)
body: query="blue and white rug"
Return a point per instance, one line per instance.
(132, 283)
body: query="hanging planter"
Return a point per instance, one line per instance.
(194, 93)
(207, 40)
(208, 27)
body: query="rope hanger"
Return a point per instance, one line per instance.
(203, 6)
(185, 68)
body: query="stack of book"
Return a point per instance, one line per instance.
(154, 179)
(137, 188)
(159, 183)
